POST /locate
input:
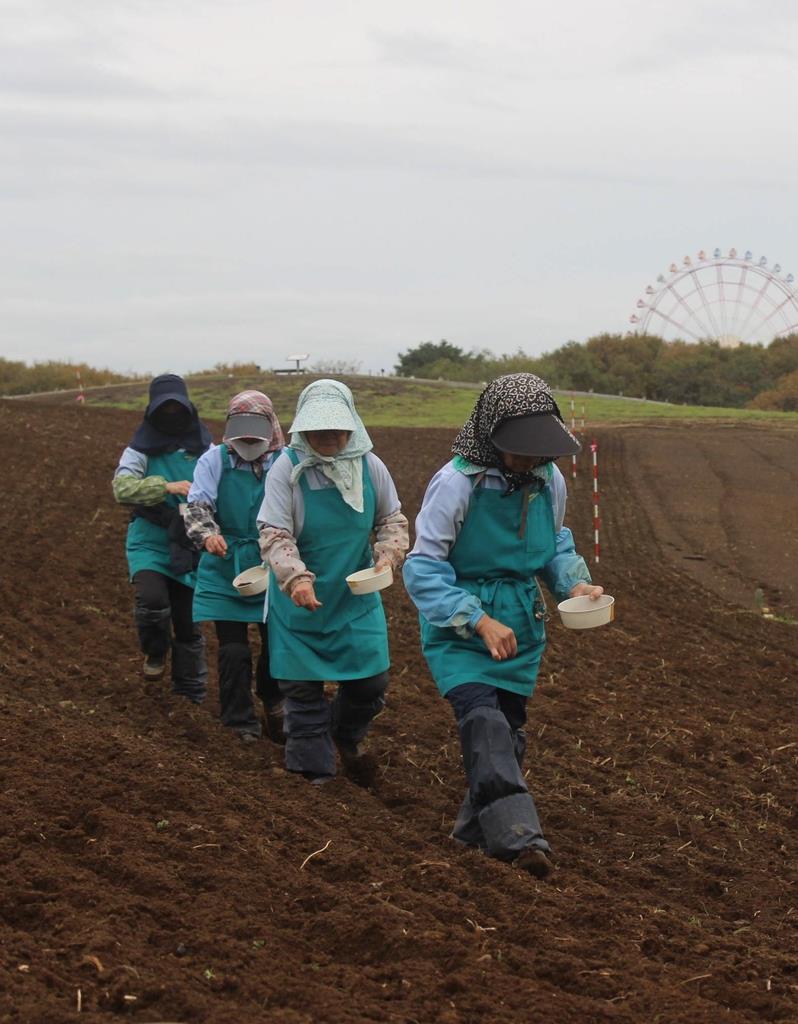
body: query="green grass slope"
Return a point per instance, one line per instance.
(398, 402)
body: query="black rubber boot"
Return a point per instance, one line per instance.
(189, 669)
(534, 861)
(519, 745)
(154, 629)
(235, 690)
(274, 722)
(360, 768)
(355, 706)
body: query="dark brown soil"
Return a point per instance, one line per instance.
(724, 502)
(152, 869)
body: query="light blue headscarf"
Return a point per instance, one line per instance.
(329, 405)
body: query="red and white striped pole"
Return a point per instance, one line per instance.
(573, 431)
(594, 450)
(583, 417)
(81, 397)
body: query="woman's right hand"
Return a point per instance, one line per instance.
(216, 545)
(179, 487)
(498, 638)
(304, 596)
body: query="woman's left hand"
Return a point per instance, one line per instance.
(384, 563)
(586, 590)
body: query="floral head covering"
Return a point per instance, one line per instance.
(329, 405)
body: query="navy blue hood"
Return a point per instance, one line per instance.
(155, 434)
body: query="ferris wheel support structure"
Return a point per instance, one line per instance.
(730, 299)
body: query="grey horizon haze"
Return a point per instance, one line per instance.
(185, 183)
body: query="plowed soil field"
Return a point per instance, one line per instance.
(152, 869)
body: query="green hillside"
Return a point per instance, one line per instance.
(404, 402)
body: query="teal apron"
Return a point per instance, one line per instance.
(238, 500)
(503, 543)
(347, 638)
(147, 545)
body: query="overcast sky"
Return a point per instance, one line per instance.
(184, 181)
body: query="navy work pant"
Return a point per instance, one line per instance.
(313, 725)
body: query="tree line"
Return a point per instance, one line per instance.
(637, 365)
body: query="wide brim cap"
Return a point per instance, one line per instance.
(248, 424)
(174, 396)
(540, 434)
(323, 414)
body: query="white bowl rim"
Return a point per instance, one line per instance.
(256, 572)
(601, 602)
(371, 573)
(251, 578)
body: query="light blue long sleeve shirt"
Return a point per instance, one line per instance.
(430, 578)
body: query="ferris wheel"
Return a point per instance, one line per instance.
(729, 299)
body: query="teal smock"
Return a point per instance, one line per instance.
(347, 637)
(237, 502)
(147, 545)
(503, 542)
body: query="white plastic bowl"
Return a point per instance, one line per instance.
(252, 581)
(368, 580)
(582, 613)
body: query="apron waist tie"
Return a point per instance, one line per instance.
(493, 594)
(236, 548)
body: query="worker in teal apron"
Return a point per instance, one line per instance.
(154, 476)
(220, 519)
(326, 493)
(491, 523)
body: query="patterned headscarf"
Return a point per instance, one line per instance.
(321, 406)
(257, 404)
(516, 394)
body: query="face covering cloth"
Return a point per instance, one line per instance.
(151, 438)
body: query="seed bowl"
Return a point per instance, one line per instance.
(582, 613)
(368, 580)
(252, 581)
